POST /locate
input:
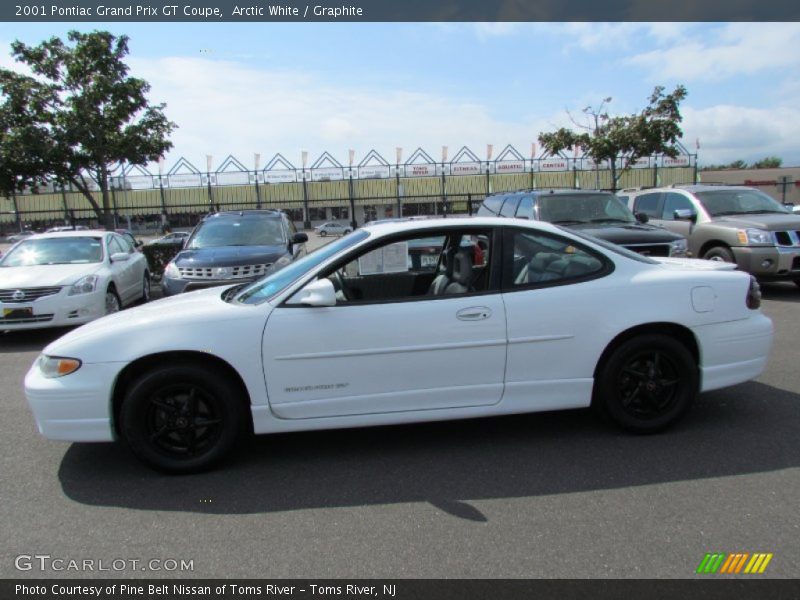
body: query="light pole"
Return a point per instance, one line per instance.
(209, 160)
(353, 223)
(444, 183)
(399, 157)
(257, 163)
(306, 219)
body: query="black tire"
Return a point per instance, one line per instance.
(182, 418)
(146, 288)
(323, 233)
(113, 303)
(346, 231)
(719, 253)
(797, 282)
(646, 384)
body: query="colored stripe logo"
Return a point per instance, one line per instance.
(735, 563)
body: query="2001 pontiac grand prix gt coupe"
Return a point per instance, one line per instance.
(492, 318)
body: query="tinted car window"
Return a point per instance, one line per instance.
(647, 204)
(509, 207)
(491, 205)
(525, 210)
(673, 202)
(584, 208)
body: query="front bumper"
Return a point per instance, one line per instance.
(57, 310)
(172, 287)
(76, 407)
(769, 263)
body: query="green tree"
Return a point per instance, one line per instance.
(653, 130)
(76, 116)
(770, 162)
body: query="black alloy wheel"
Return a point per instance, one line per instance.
(647, 383)
(182, 419)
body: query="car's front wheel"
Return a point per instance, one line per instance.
(323, 233)
(719, 254)
(182, 418)
(113, 303)
(647, 383)
(146, 287)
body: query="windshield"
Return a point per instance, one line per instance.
(738, 202)
(54, 251)
(268, 287)
(237, 231)
(583, 208)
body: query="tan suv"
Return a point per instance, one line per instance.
(728, 223)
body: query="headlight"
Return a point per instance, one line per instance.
(84, 285)
(172, 271)
(754, 236)
(57, 366)
(678, 248)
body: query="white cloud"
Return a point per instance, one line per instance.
(729, 133)
(734, 49)
(224, 108)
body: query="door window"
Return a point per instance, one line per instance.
(509, 207)
(426, 266)
(673, 202)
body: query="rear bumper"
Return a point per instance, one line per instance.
(733, 352)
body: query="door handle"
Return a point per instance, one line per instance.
(474, 313)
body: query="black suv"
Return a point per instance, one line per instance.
(596, 213)
(233, 247)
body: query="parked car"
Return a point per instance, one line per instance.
(596, 213)
(233, 247)
(357, 334)
(68, 278)
(176, 238)
(734, 224)
(333, 228)
(16, 237)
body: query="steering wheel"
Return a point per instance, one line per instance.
(339, 281)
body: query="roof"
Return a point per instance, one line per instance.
(554, 191)
(65, 234)
(267, 212)
(400, 225)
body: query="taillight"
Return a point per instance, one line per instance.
(753, 294)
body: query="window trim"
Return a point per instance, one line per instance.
(493, 286)
(507, 284)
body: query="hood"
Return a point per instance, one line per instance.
(694, 264)
(229, 256)
(161, 325)
(44, 275)
(769, 221)
(634, 233)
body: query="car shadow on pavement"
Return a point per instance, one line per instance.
(786, 292)
(32, 340)
(750, 428)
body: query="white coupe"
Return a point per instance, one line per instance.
(69, 277)
(509, 317)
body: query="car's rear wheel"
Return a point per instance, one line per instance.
(146, 287)
(647, 383)
(113, 303)
(182, 418)
(719, 254)
(346, 231)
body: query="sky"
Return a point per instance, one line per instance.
(267, 88)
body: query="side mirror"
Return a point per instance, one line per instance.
(120, 257)
(317, 293)
(642, 218)
(685, 214)
(299, 238)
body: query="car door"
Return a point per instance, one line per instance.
(554, 291)
(127, 274)
(389, 344)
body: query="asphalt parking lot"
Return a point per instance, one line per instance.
(548, 495)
